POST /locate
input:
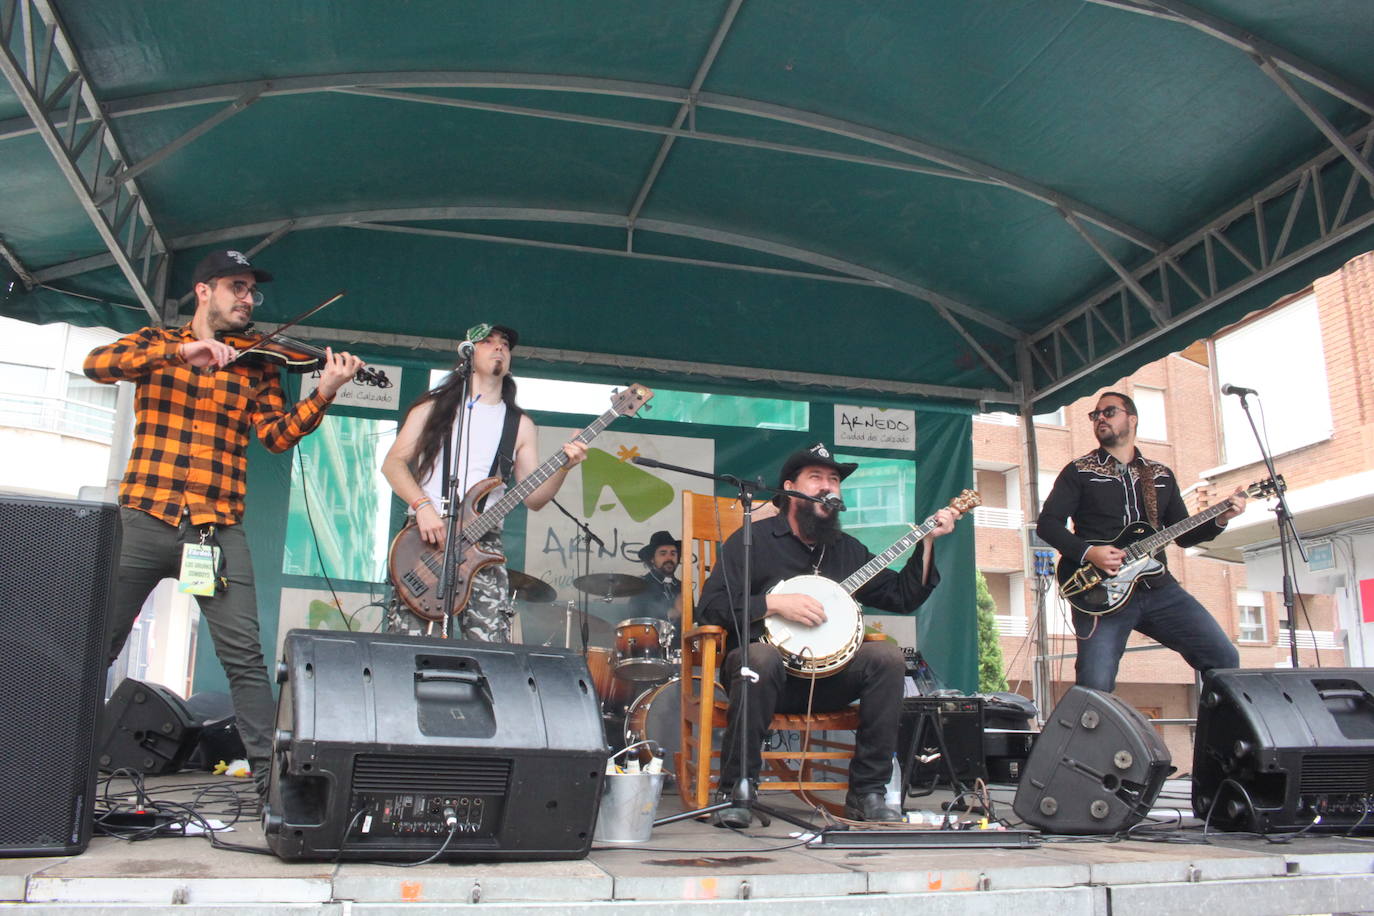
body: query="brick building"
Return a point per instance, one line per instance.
(1310, 356)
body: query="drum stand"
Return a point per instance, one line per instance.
(744, 794)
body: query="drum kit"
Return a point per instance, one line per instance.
(634, 665)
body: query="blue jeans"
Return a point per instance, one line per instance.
(1166, 614)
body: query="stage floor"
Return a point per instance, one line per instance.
(1161, 869)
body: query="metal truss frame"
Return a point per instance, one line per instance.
(39, 61)
(1323, 202)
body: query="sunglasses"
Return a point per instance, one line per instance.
(1107, 412)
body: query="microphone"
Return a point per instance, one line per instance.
(646, 462)
(832, 502)
(465, 349)
(1236, 389)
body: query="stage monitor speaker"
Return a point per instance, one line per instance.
(57, 569)
(145, 728)
(385, 744)
(1096, 768)
(957, 722)
(1275, 748)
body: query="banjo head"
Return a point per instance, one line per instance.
(823, 649)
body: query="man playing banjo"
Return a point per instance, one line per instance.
(805, 539)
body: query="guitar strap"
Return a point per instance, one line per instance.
(502, 463)
(1147, 484)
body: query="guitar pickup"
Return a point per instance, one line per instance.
(413, 582)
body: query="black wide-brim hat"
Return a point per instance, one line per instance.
(815, 456)
(659, 539)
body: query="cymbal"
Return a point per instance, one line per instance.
(609, 585)
(547, 625)
(528, 588)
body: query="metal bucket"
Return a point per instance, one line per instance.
(629, 804)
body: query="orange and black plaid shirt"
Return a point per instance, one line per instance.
(190, 451)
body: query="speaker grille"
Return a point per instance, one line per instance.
(1337, 775)
(57, 559)
(431, 775)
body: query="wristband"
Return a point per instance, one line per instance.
(421, 503)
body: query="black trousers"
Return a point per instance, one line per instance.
(874, 677)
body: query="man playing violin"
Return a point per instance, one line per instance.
(805, 539)
(186, 478)
(498, 439)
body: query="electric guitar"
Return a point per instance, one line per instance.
(1093, 591)
(826, 648)
(414, 565)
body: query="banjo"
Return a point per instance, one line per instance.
(826, 648)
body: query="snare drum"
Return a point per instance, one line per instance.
(639, 650)
(657, 714)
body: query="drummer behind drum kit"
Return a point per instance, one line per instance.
(633, 666)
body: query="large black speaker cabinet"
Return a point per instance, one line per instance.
(386, 743)
(1275, 748)
(146, 728)
(57, 567)
(1097, 767)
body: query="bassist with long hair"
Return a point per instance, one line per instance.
(499, 440)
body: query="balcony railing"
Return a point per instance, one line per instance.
(1311, 639)
(996, 517)
(1010, 626)
(997, 418)
(57, 415)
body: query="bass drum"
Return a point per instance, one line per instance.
(656, 715)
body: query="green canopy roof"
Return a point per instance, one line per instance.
(974, 201)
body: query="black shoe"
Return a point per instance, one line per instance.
(733, 816)
(869, 806)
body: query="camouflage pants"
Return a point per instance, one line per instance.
(487, 617)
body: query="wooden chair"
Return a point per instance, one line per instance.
(706, 522)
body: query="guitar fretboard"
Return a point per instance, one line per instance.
(877, 564)
(1147, 546)
(489, 519)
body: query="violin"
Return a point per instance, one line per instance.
(292, 355)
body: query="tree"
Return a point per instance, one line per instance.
(991, 673)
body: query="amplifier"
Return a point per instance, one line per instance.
(1275, 748)
(385, 744)
(926, 721)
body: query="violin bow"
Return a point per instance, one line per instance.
(290, 324)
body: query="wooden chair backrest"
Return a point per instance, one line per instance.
(707, 521)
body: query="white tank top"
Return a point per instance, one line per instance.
(482, 436)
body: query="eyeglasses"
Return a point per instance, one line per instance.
(241, 289)
(1107, 412)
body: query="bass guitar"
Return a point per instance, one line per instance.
(1094, 591)
(414, 566)
(826, 648)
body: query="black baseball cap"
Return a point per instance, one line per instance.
(224, 262)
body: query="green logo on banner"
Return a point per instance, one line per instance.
(641, 493)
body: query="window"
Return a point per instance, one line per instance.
(1051, 419)
(340, 508)
(1250, 616)
(1149, 403)
(1284, 344)
(559, 396)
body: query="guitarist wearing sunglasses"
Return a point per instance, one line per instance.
(1112, 487)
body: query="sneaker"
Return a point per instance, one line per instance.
(869, 806)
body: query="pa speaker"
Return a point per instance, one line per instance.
(1278, 748)
(146, 728)
(56, 579)
(396, 747)
(1097, 767)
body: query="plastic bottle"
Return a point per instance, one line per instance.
(893, 795)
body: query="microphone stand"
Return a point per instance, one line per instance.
(447, 585)
(1288, 534)
(588, 537)
(745, 792)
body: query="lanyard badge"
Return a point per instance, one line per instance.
(199, 564)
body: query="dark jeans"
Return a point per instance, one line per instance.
(1166, 614)
(151, 552)
(873, 677)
